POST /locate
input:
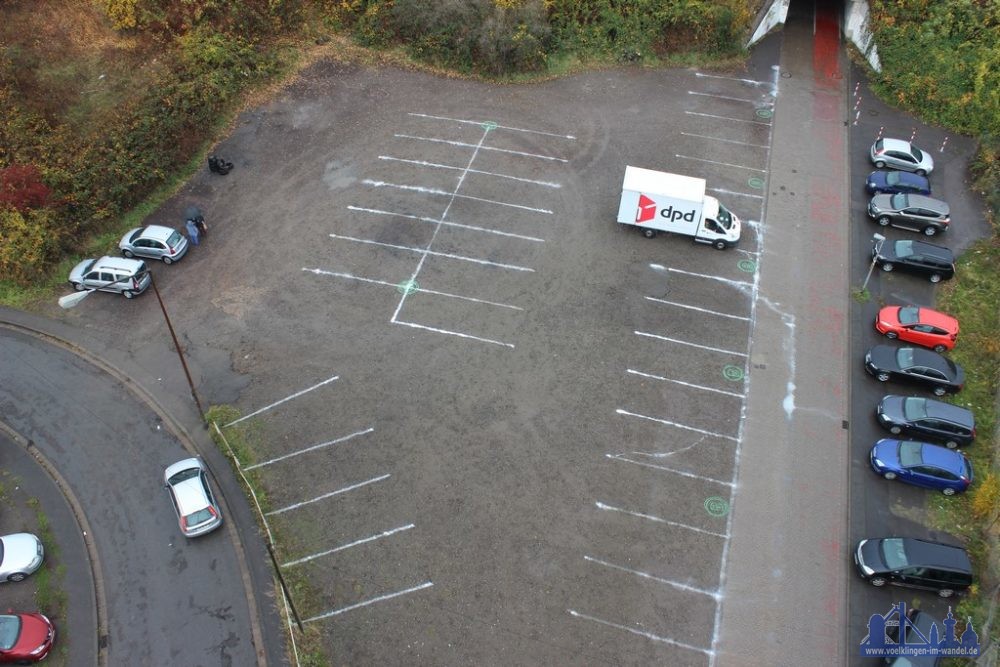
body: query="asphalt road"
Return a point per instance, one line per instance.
(168, 598)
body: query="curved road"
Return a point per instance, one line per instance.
(169, 600)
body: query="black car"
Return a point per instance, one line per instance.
(927, 419)
(907, 561)
(915, 364)
(926, 259)
(891, 182)
(914, 212)
(918, 631)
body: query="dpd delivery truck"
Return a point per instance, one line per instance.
(655, 201)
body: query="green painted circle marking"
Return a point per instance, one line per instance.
(408, 286)
(756, 183)
(732, 373)
(747, 265)
(764, 113)
(489, 125)
(717, 506)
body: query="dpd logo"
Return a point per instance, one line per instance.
(672, 215)
(647, 209)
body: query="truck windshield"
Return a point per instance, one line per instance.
(725, 217)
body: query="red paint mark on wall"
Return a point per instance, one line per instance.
(826, 46)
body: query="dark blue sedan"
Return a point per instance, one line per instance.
(921, 464)
(893, 182)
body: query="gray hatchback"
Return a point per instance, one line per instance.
(906, 211)
(155, 242)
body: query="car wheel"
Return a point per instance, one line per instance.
(946, 593)
(878, 582)
(128, 253)
(930, 231)
(951, 444)
(882, 377)
(935, 278)
(879, 164)
(939, 348)
(887, 266)
(884, 221)
(167, 260)
(78, 286)
(649, 233)
(128, 294)
(891, 335)
(17, 576)
(939, 391)
(948, 492)
(895, 430)
(890, 475)
(720, 245)
(921, 172)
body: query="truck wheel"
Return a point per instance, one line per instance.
(720, 245)
(648, 232)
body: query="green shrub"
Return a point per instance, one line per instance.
(29, 243)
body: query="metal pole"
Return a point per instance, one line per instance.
(284, 586)
(180, 353)
(879, 239)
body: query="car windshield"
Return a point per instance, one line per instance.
(893, 553)
(904, 249)
(915, 408)
(198, 518)
(916, 153)
(182, 476)
(904, 357)
(725, 217)
(892, 178)
(174, 239)
(909, 453)
(899, 201)
(10, 628)
(908, 315)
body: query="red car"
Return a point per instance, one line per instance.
(25, 637)
(922, 326)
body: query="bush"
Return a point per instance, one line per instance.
(28, 244)
(21, 188)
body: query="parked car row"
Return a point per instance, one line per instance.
(127, 275)
(928, 433)
(25, 637)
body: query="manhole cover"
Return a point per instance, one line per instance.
(732, 373)
(717, 506)
(747, 265)
(756, 183)
(764, 113)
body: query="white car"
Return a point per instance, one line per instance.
(902, 155)
(155, 242)
(20, 555)
(187, 484)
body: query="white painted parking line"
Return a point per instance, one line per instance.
(342, 547)
(690, 344)
(657, 519)
(735, 120)
(737, 283)
(685, 384)
(721, 164)
(446, 223)
(453, 195)
(728, 141)
(423, 251)
(723, 97)
(422, 290)
(434, 165)
(452, 333)
(495, 126)
(700, 310)
(682, 473)
(381, 598)
(736, 194)
(463, 144)
(641, 633)
(277, 403)
(667, 422)
(352, 487)
(645, 575)
(733, 78)
(313, 448)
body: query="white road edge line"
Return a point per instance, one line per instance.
(311, 448)
(423, 251)
(684, 342)
(650, 517)
(447, 223)
(435, 165)
(736, 194)
(381, 598)
(277, 403)
(682, 473)
(452, 333)
(735, 120)
(352, 487)
(667, 422)
(463, 144)
(497, 127)
(728, 141)
(723, 97)
(641, 633)
(700, 310)
(685, 384)
(721, 164)
(453, 195)
(729, 281)
(676, 584)
(342, 547)
(733, 78)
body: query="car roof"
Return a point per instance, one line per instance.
(928, 202)
(937, 318)
(935, 554)
(896, 144)
(948, 412)
(942, 457)
(909, 176)
(185, 464)
(157, 232)
(120, 263)
(924, 248)
(931, 359)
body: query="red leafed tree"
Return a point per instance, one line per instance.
(21, 188)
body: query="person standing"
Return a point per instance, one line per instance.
(192, 231)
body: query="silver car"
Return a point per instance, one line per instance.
(903, 155)
(155, 242)
(20, 555)
(187, 485)
(111, 274)
(916, 212)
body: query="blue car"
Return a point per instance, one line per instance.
(893, 182)
(922, 464)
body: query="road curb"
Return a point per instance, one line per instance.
(93, 558)
(178, 431)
